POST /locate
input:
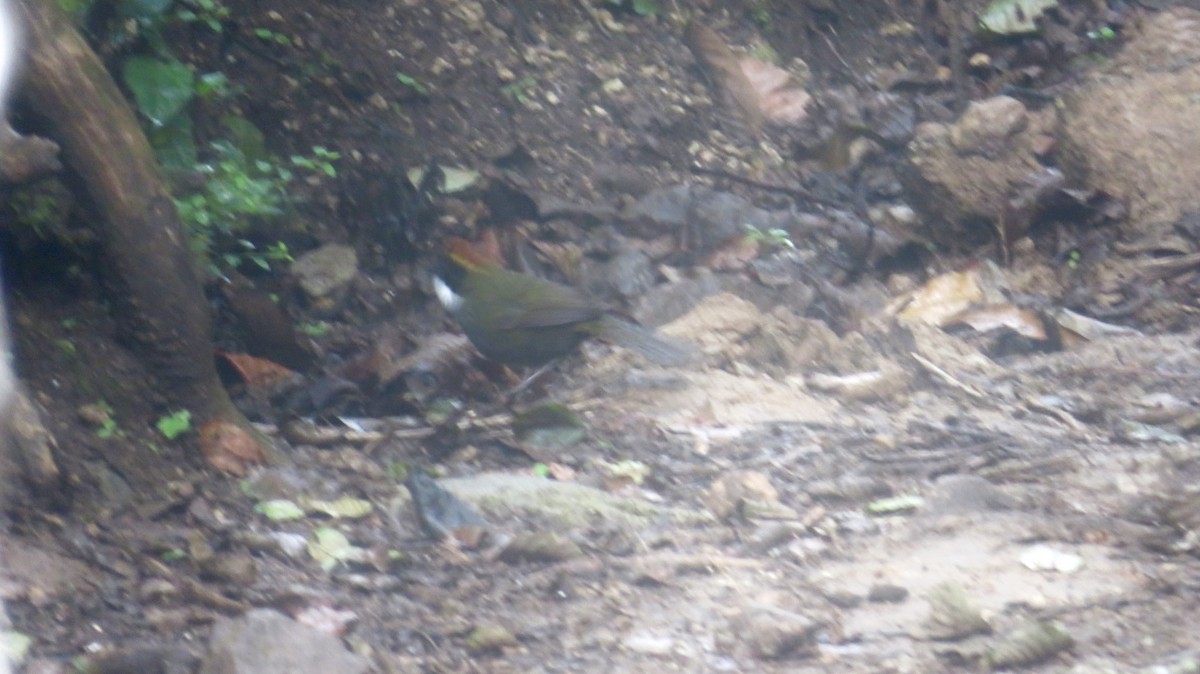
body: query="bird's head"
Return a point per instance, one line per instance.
(459, 258)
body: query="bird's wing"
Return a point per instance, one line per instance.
(545, 317)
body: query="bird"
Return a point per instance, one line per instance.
(519, 319)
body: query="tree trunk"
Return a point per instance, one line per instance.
(151, 268)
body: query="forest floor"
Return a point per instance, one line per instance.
(854, 475)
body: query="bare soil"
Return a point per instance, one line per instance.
(758, 537)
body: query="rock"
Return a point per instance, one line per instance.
(987, 124)
(441, 513)
(774, 633)
(267, 642)
(965, 494)
(709, 216)
(968, 170)
(1132, 128)
(489, 638)
(887, 594)
(326, 272)
(625, 275)
(650, 643)
(540, 547)
(239, 569)
(729, 492)
(153, 659)
(563, 506)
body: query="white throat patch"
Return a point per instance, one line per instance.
(9, 43)
(450, 299)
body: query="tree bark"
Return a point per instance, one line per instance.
(152, 271)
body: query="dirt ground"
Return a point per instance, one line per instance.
(846, 479)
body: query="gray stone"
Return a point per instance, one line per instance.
(326, 270)
(267, 642)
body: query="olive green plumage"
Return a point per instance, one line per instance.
(519, 319)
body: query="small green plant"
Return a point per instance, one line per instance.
(238, 191)
(40, 210)
(76, 9)
(1073, 259)
(108, 425)
(208, 12)
(639, 7)
(175, 424)
(521, 90)
(1103, 33)
(108, 428)
(320, 161)
(214, 85)
(241, 184)
(172, 555)
(67, 347)
(765, 53)
(317, 329)
(235, 189)
(778, 238)
(760, 14)
(250, 254)
(413, 83)
(268, 35)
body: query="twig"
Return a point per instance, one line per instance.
(947, 377)
(798, 193)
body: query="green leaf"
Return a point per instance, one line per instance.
(175, 424)
(329, 546)
(645, 7)
(173, 143)
(279, 510)
(317, 329)
(107, 429)
(346, 506)
(160, 88)
(213, 85)
(76, 9)
(413, 83)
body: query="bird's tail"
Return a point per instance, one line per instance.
(654, 347)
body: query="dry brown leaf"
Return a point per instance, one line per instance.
(560, 472)
(778, 97)
(230, 448)
(438, 359)
(485, 251)
(759, 91)
(1024, 322)
(941, 298)
(567, 258)
(266, 328)
(726, 73)
(258, 373)
(488, 246)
